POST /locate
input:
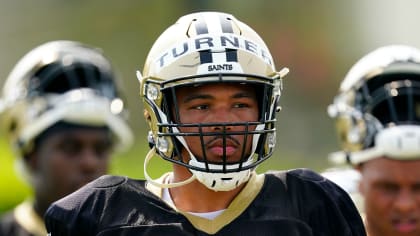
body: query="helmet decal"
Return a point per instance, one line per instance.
(214, 48)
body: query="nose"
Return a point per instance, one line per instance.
(405, 201)
(222, 115)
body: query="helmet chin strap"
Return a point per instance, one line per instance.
(149, 156)
(207, 179)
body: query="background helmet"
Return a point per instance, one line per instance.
(200, 48)
(377, 109)
(61, 81)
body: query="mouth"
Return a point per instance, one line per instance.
(220, 148)
(405, 225)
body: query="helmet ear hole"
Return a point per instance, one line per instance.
(150, 139)
(147, 116)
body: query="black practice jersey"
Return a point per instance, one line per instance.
(292, 203)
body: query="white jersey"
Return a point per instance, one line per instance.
(348, 179)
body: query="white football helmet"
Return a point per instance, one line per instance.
(377, 109)
(62, 81)
(209, 47)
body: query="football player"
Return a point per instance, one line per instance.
(211, 93)
(64, 115)
(377, 113)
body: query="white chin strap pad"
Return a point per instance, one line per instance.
(213, 181)
(400, 142)
(221, 181)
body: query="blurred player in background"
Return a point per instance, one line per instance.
(377, 114)
(62, 110)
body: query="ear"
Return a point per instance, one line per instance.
(147, 117)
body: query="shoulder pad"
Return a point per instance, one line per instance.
(306, 174)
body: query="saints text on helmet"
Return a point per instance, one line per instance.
(214, 43)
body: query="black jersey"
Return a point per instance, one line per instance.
(292, 203)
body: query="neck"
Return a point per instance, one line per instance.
(41, 203)
(40, 208)
(185, 197)
(371, 230)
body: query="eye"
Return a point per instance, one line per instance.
(388, 188)
(241, 105)
(416, 188)
(104, 148)
(70, 147)
(200, 107)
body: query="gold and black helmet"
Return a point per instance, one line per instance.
(202, 48)
(377, 109)
(62, 81)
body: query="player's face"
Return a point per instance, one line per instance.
(218, 103)
(392, 197)
(66, 160)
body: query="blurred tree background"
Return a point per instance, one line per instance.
(317, 40)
